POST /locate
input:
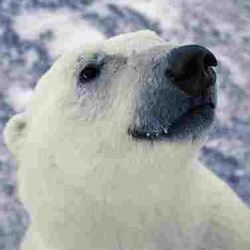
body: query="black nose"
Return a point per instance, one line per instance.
(189, 67)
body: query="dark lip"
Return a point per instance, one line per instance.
(211, 105)
(145, 135)
(161, 135)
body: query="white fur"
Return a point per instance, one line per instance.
(89, 186)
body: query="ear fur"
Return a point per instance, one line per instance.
(14, 132)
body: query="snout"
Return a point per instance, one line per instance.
(190, 68)
(179, 102)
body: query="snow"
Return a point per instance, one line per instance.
(157, 10)
(69, 30)
(19, 97)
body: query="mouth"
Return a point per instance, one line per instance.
(200, 106)
(183, 127)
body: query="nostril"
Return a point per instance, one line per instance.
(170, 75)
(209, 60)
(207, 69)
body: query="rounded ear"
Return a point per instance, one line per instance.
(14, 132)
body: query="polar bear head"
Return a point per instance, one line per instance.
(134, 99)
(159, 91)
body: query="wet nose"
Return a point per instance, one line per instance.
(190, 68)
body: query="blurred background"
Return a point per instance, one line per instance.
(33, 33)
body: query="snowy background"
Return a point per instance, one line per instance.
(33, 33)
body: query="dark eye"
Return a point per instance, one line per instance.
(90, 72)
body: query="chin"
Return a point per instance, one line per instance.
(193, 125)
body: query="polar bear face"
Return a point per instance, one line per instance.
(110, 105)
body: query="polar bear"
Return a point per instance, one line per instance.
(108, 152)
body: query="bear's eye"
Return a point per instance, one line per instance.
(89, 73)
